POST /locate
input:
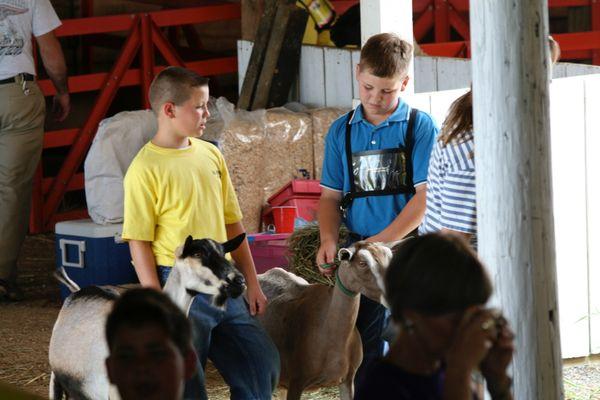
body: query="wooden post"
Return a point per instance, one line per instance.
(251, 12)
(377, 16)
(514, 193)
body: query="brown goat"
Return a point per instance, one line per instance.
(313, 326)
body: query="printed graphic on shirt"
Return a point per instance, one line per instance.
(11, 41)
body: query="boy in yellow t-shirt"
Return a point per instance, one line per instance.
(178, 185)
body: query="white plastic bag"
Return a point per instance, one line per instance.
(118, 140)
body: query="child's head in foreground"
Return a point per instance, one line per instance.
(150, 346)
(435, 274)
(382, 72)
(179, 98)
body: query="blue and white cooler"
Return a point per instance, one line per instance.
(93, 254)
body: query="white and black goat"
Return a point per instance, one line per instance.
(78, 346)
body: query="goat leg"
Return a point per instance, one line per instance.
(347, 388)
(294, 391)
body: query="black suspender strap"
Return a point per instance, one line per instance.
(408, 144)
(349, 152)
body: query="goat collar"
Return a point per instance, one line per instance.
(341, 286)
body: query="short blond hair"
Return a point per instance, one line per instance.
(385, 55)
(174, 84)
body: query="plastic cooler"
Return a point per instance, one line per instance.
(93, 254)
(269, 250)
(303, 194)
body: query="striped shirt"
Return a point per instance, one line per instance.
(451, 189)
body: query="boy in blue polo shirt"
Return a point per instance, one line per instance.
(374, 175)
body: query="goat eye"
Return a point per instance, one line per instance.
(362, 264)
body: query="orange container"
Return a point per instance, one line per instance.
(283, 217)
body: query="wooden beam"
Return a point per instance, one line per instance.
(514, 191)
(288, 63)
(275, 43)
(251, 12)
(258, 54)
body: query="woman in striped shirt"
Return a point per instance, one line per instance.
(451, 178)
(451, 203)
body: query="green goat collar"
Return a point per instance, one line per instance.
(341, 286)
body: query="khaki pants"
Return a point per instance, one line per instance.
(21, 140)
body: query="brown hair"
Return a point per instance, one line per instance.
(435, 274)
(458, 125)
(173, 84)
(386, 56)
(143, 306)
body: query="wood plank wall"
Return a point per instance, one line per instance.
(326, 75)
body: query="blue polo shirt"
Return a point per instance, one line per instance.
(370, 215)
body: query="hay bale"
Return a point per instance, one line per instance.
(303, 247)
(242, 141)
(288, 148)
(322, 118)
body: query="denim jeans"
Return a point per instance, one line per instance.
(371, 321)
(236, 344)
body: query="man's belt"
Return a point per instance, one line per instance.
(26, 77)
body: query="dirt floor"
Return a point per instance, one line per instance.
(25, 330)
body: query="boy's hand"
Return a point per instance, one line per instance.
(257, 301)
(326, 256)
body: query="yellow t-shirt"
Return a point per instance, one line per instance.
(173, 193)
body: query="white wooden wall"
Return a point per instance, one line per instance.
(575, 124)
(327, 74)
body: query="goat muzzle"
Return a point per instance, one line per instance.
(236, 286)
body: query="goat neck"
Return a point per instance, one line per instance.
(343, 308)
(175, 289)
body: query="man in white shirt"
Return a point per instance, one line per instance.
(22, 113)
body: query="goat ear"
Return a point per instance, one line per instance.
(234, 243)
(188, 241)
(345, 254)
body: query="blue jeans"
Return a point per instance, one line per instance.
(237, 345)
(371, 321)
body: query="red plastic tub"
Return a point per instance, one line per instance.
(296, 188)
(269, 251)
(303, 194)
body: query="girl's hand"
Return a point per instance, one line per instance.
(473, 339)
(493, 367)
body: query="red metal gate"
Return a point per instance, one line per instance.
(442, 16)
(143, 31)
